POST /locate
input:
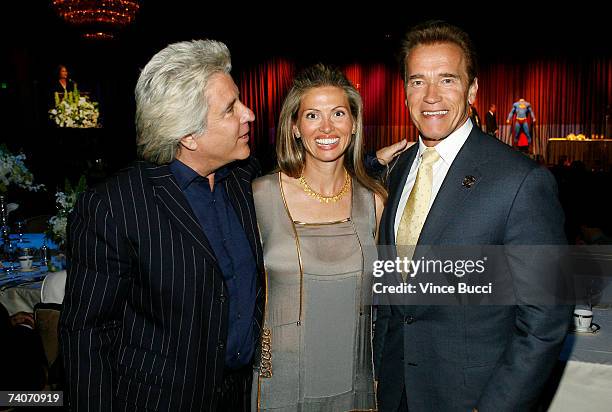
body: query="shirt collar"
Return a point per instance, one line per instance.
(449, 147)
(185, 175)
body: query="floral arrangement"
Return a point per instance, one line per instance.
(64, 201)
(572, 136)
(74, 110)
(14, 171)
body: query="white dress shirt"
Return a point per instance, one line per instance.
(448, 150)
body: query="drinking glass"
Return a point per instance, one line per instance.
(19, 227)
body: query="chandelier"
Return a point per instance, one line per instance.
(99, 19)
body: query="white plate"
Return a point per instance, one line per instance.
(593, 329)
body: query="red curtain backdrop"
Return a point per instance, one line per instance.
(386, 119)
(567, 96)
(263, 88)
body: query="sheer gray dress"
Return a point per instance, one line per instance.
(316, 352)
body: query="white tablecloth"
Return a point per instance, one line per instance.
(21, 298)
(22, 293)
(586, 383)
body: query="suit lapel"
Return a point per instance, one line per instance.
(453, 192)
(403, 165)
(174, 204)
(396, 182)
(240, 194)
(450, 198)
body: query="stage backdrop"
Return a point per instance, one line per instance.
(567, 96)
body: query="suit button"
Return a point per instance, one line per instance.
(222, 299)
(220, 345)
(408, 320)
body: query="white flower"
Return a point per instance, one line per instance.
(64, 202)
(14, 171)
(58, 227)
(57, 224)
(73, 112)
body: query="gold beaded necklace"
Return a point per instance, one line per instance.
(326, 199)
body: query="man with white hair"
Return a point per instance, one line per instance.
(164, 290)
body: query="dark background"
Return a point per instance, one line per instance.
(34, 40)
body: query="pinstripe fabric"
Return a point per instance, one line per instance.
(144, 322)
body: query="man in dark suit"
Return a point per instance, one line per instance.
(491, 120)
(472, 190)
(164, 291)
(474, 116)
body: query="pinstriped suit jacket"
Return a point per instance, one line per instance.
(145, 314)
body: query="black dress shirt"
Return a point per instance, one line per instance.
(222, 228)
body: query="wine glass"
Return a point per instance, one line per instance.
(5, 233)
(594, 290)
(11, 252)
(19, 227)
(7, 270)
(44, 254)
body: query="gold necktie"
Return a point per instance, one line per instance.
(417, 206)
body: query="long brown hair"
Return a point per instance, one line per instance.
(290, 151)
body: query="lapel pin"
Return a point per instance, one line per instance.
(468, 181)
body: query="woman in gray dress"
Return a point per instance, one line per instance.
(318, 217)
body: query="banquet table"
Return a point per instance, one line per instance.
(21, 292)
(585, 368)
(595, 154)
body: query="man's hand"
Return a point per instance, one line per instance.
(387, 153)
(22, 318)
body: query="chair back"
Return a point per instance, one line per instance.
(46, 319)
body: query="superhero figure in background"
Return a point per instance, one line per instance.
(521, 108)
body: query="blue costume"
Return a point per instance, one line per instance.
(521, 108)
